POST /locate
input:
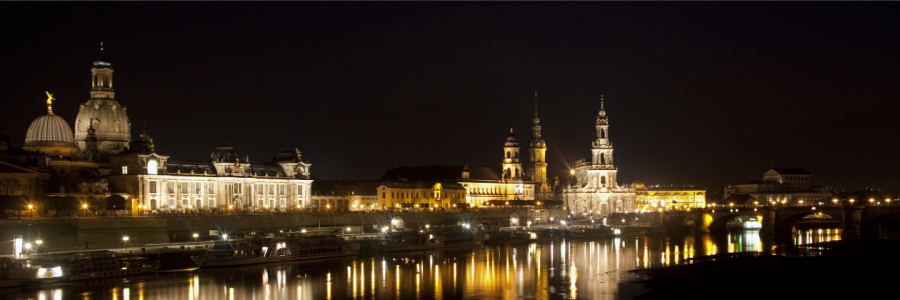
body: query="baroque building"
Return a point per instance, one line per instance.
(456, 186)
(596, 190)
(779, 186)
(99, 167)
(654, 198)
(344, 195)
(537, 160)
(102, 114)
(154, 184)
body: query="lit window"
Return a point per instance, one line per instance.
(151, 167)
(124, 169)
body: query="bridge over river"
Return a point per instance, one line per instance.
(855, 220)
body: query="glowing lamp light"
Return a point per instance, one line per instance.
(813, 208)
(572, 172)
(84, 206)
(196, 235)
(28, 246)
(30, 206)
(39, 242)
(125, 238)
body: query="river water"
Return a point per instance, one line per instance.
(580, 269)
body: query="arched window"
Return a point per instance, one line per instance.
(602, 159)
(603, 180)
(507, 154)
(602, 133)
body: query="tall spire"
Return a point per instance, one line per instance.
(536, 120)
(602, 112)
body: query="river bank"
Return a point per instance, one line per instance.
(860, 269)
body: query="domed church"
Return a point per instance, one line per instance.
(102, 112)
(100, 161)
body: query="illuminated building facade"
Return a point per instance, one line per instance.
(785, 186)
(654, 198)
(451, 186)
(344, 195)
(153, 183)
(596, 190)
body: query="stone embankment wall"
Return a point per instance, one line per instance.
(60, 234)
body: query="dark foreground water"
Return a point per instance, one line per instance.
(591, 269)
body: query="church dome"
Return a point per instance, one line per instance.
(511, 140)
(49, 128)
(50, 134)
(223, 153)
(112, 127)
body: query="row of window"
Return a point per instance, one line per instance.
(198, 203)
(409, 195)
(185, 188)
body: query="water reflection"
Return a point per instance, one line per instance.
(592, 269)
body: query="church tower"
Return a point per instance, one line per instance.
(512, 167)
(602, 150)
(110, 123)
(537, 163)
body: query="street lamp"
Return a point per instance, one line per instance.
(29, 208)
(835, 201)
(195, 237)
(871, 200)
(851, 201)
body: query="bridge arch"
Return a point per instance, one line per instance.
(786, 218)
(873, 227)
(719, 222)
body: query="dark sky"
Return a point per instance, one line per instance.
(698, 93)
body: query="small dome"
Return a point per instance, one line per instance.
(50, 134)
(224, 153)
(49, 128)
(511, 141)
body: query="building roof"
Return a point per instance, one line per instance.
(792, 171)
(440, 173)
(739, 198)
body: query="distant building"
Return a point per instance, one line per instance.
(654, 198)
(453, 186)
(782, 186)
(596, 190)
(344, 195)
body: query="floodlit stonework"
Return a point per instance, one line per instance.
(596, 191)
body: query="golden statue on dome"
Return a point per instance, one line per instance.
(50, 102)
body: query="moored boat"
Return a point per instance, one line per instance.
(441, 237)
(286, 247)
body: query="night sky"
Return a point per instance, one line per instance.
(698, 93)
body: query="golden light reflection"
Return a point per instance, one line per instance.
(327, 286)
(438, 290)
(126, 294)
